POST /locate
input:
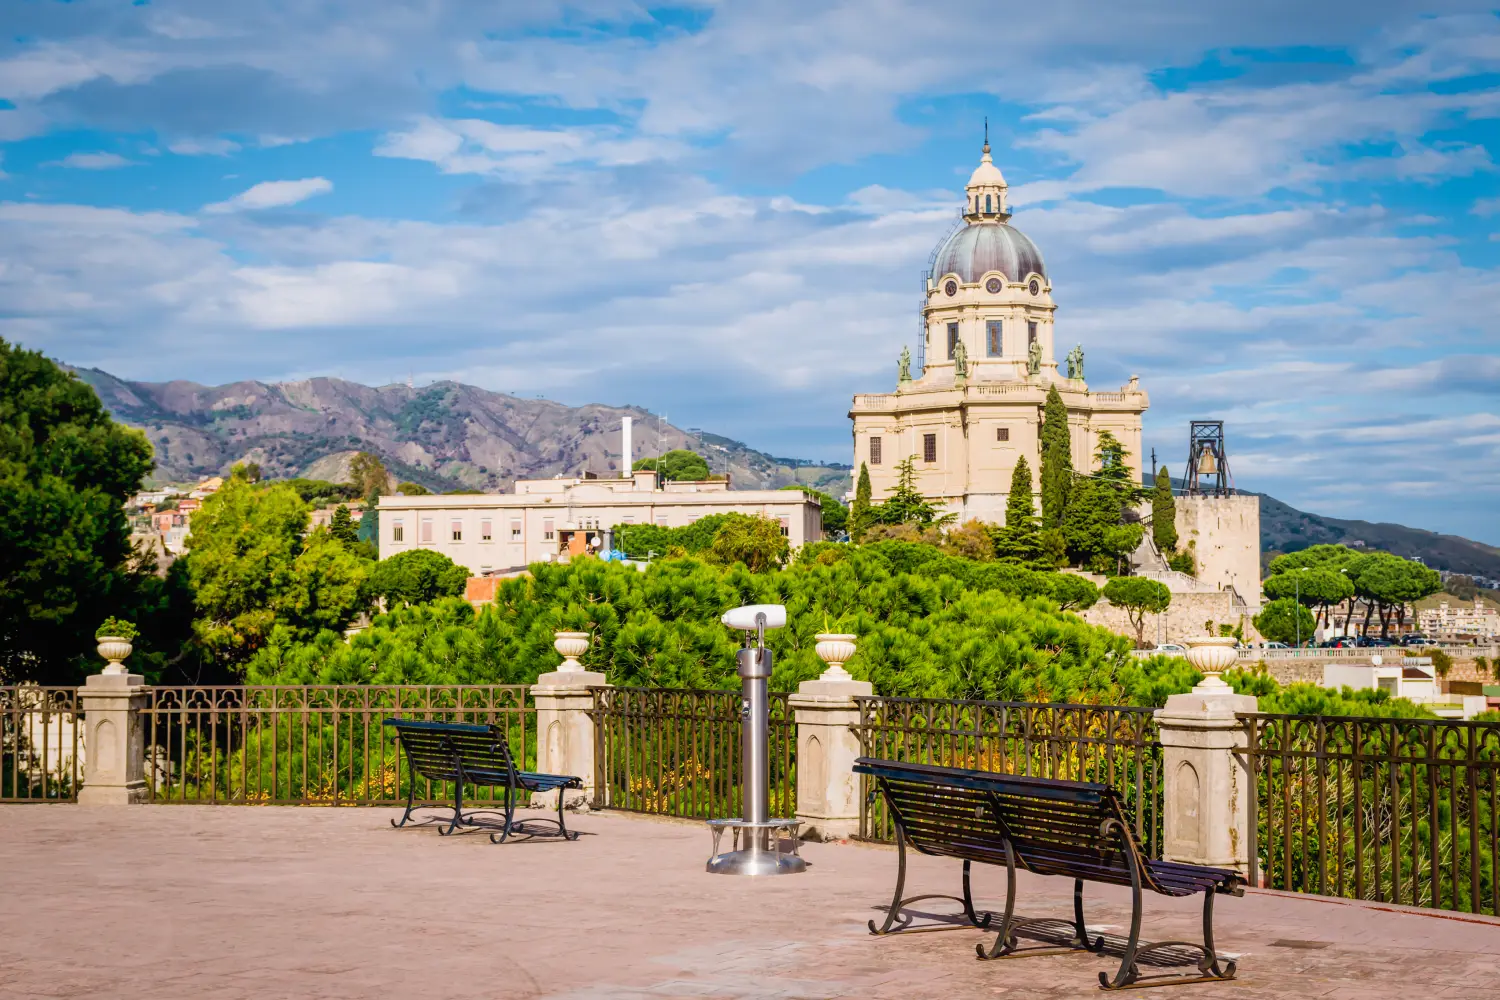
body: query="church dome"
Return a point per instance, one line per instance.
(981, 247)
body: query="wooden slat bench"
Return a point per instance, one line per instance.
(1075, 829)
(477, 755)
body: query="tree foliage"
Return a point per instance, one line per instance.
(1317, 588)
(675, 465)
(417, 576)
(1164, 513)
(342, 526)
(65, 472)
(1138, 597)
(368, 476)
(755, 542)
(906, 504)
(1019, 539)
(1057, 460)
(860, 516)
(1285, 620)
(254, 568)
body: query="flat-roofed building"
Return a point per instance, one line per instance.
(546, 520)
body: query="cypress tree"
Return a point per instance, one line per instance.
(1019, 539)
(1164, 513)
(1057, 460)
(859, 511)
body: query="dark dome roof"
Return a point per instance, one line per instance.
(988, 246)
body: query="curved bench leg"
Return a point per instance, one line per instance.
(1129, 971)
(561, 826)
(890, 915)
(1080, 929)
(1005, 941)
(410, 796)
(969, 904)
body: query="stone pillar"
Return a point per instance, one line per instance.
(114, 764)
(1206, 784)
(565, 733)
(825, 711)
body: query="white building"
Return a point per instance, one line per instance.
(545, 520)
(1482, 620)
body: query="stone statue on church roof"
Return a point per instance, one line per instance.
(960, 360)
(1075, 362)
(1034, 358)
(903, 367)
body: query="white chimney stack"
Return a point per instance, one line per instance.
(625, 447)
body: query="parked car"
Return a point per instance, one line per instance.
(1170, 649)
(1415, 639)
(1277, 645)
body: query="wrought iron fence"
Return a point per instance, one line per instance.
(678, 752)
(41, 744)
(1395, 810)
(311, 745)
(1114, 746)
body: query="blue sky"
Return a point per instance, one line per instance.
(1280, 215)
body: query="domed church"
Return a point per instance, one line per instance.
(988, 358)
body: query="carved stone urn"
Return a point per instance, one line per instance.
(1212, 655)
(835, 649)
(114, 649)
(571, 645)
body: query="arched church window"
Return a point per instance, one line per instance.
(994, 343)
(952, 339)
(986, 204)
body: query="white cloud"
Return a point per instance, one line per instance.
(209, 146)
(272, 194)
(93, 161)
(474, 146)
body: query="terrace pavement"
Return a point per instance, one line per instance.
(219, 902)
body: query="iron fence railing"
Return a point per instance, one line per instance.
(41, 744)
(1395, 810)
(1111, 745)
(678, 752)
(314, 745)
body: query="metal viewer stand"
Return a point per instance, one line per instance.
(757, 836)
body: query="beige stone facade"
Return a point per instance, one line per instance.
(990, 358)
(1224, 533)
(545, 520)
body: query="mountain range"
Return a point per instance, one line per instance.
(450, 436)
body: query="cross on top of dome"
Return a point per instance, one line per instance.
(986, 188)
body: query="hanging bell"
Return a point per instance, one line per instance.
(1207, 466)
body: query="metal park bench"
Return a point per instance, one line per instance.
(1071, 828)
(476, 755)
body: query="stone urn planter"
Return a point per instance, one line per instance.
(835, 649)
(114, 649)
(1212, 655)
(571, 645)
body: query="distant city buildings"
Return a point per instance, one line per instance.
(551, 520)
(1480, 620)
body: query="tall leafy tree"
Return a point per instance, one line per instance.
(757, 542)
(1164, 513)
(418, 576)
(1387, 582)
(1318, 589)
(342, 526)
(906, 504)
(678, 464)
(254, 568)
(1019, 540)
(1057, 460)
(1285, 620)
(1138, 597)
(65, 472)
(860, 510)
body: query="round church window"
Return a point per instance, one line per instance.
(951, 288)
(992, 286)
(1036, 287)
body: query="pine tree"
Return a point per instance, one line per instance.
(1019, 538)
(1164, 513)
(343, 527)
(859, 511)
(1057, 460)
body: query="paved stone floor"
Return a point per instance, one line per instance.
(173, 901)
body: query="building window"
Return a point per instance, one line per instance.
(875, 450)
(1002, 433)
(426, 530)
(786, 527)
(547, 533)
(515, 531)
(993, 340)
(398, 532)
(458, 531)
(929, 447)
(627, 519)
(952, 339)
(986, 204)
(485, 532)
(661, 520)
(1030, 332)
